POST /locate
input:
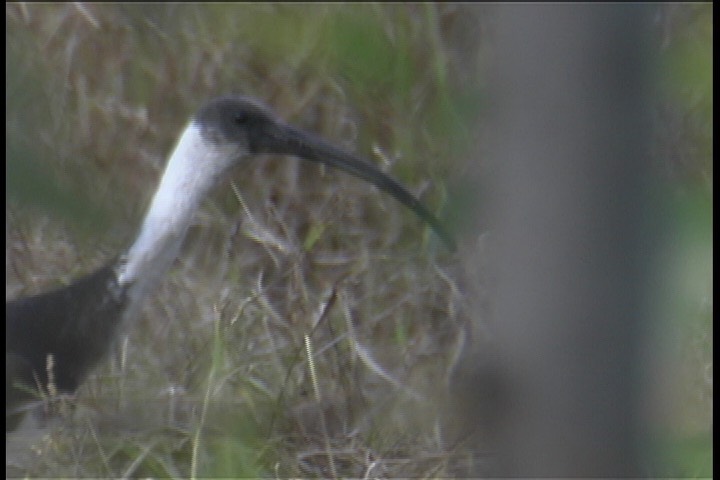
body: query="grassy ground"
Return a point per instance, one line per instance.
(310, 321)
(309, 326)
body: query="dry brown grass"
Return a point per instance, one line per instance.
(308, 327)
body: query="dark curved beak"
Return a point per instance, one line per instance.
(287, 140)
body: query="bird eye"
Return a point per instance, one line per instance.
(241, 118)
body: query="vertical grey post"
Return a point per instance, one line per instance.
(570, 98)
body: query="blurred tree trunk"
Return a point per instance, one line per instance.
(561, 395)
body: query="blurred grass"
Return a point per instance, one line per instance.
(213, 379)
(684, 148)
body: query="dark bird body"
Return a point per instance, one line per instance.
(74, 326)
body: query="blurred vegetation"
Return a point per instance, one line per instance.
(214, 380)
(683, 150)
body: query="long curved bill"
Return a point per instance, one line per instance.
(288, 140)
